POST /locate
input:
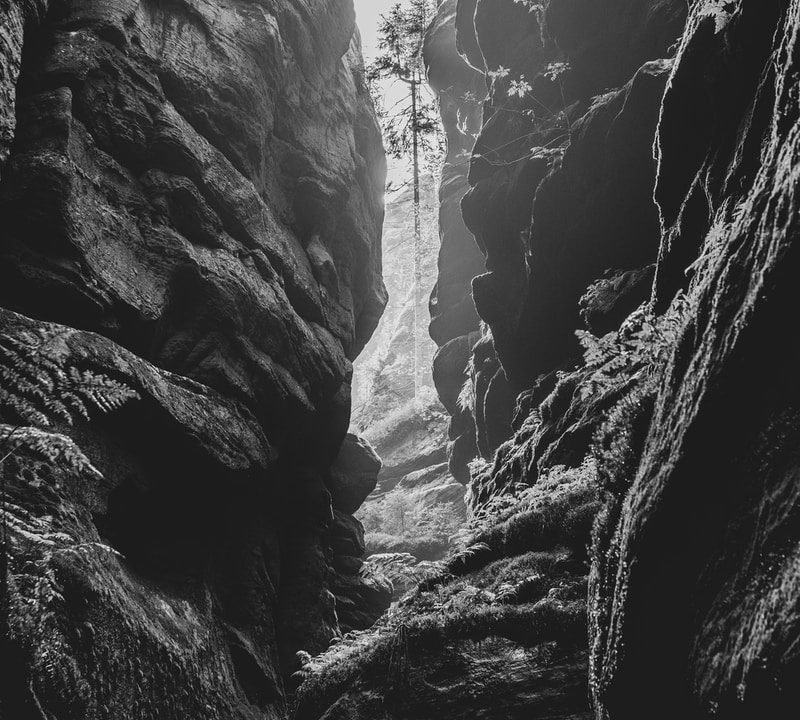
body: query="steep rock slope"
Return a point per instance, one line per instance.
(498, 631)
(454, 322)
(561, 182)
(697, 557)
(192, 190)
(689, 410)
(560, 202)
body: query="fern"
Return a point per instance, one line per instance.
(633, 353)
(628, 362)
(401, 569)
(38, 387)
(522, 498)
(44, 448)
(466, 397)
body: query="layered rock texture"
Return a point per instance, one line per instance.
(633, 180)
(624, 382)
(560, 182)
(498, 631)
(192, 192)
(454, 322)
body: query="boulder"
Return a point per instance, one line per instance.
(354, 474)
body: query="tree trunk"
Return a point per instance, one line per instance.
(417, 289)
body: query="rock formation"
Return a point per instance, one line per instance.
(694, 559)
(185, 243)
(560, 184)
(454, 322)
(634, 176)
(192, 191)
(697, 556)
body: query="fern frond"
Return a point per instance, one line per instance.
(39, 387)
(52, 448)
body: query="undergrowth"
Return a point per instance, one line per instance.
(520, 565)
(631, 362)
(554, 484)
(371, 656)
(40, 389)
(511, 579)
(402, 515)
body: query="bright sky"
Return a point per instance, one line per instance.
(368, 13)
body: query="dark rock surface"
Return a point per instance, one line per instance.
(200, 184)
(460, 89)
(360, 599)
(229, 279)
(562, 177)
(454, 321)
(711, 608)
(354, 474)
(693, 592)
(559, 188)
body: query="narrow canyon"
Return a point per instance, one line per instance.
(228, 490)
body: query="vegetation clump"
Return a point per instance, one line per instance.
(40, 389)
(516, 574)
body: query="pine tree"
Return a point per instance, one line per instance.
(411, 128)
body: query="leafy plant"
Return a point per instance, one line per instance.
(629, 362)
(38, 387)
(400, 568)
(555, 483)
(635, 352)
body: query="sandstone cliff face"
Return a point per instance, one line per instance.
(675, 435)
(454, 322)
(562, 173)
(404, 419)
(693, 594)
(697, 566)
(193, 191)
(559, 188)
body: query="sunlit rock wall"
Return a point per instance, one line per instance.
(404, 420)
(658, 156)
(454, 326)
